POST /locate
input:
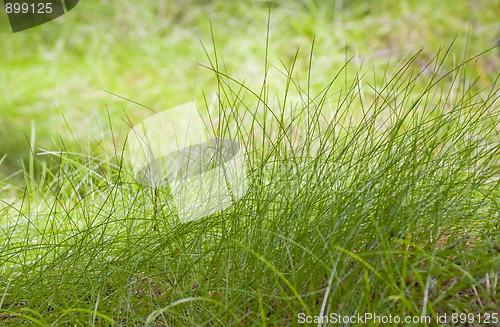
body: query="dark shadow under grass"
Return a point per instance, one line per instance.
(373, 195)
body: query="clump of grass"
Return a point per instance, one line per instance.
(375, 194)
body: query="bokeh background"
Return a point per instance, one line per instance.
(57, 80)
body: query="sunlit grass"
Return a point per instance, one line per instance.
(147, 51)
(371, 193)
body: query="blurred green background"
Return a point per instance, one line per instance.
(54, 78)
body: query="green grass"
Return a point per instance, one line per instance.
(148, 52)
(373, 167)
(375, 194)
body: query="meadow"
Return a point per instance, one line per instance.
(371, 138)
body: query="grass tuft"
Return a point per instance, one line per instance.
(369, 193)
